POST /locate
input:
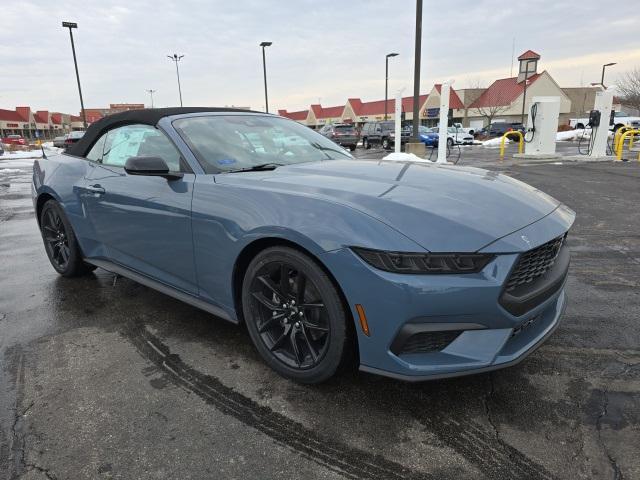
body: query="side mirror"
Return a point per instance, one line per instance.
(149, 166)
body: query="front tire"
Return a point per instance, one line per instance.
(294, 315)
(450, 142)
(366, 144)
(386, 144)
(60, 242)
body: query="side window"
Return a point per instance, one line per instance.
(95, 154)
(378, 128)
(139, 140)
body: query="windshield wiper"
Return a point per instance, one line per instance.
(258, 168)
(327, 149)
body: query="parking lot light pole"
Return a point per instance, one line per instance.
(386, 80)
(603, 68)
(264, 71)
(524, 97)
(71, 26)
(176, 58)
(416, 72)
(151, 92)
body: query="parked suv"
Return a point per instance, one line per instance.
(500, 128)
(378, 133)
(344, 135)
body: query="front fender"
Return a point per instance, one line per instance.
(227, 218)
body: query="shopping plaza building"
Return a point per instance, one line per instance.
(47, 125)
(502, 101)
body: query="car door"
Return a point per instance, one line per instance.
(144, 222)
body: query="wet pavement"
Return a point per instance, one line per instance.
(109, 379)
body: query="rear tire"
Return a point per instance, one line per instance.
(450, 142)
(295, 315)
(352, 148)
(60, 242)
(365, 144)
(385, 143)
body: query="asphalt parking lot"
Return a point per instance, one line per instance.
(109, 379)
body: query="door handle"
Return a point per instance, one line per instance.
(97, 188)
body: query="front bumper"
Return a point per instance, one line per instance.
(488, 336)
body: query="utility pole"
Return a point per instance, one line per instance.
(71, 26)
(176, 58)
(386, 80)
(416, 72)
(151, 92)
(264, 71)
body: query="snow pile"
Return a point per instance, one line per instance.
(21, 154)
(495, 142)
(405, 157)
(573, 135)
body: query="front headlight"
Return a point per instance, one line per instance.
(424, 263)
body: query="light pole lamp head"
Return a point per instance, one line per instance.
(266, 44)
(392, 55)
(69, 25)
(609, 64)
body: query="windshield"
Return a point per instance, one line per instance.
(224, 143)
(345, 129)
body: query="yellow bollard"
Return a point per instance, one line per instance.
(621, 142)
(617, 135)
(520, 142)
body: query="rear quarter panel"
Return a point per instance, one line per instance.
(63, 178)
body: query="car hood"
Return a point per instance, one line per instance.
(442, 208)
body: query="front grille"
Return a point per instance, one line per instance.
(427, 342)
(534, 263)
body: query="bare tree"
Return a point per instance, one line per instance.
(629, 88)
(491, 111)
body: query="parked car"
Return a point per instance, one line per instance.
(498, 129)
(59, 141)
(378, 133)
(344, 135)
(415, 271)
(454, 136)
(14, 140)
(470, 131)
(72, 138)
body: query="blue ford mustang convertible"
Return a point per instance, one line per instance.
(413, 270)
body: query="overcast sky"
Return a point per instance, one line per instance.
(322, 50)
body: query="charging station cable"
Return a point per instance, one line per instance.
(534, 112)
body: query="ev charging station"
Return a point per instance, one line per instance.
(599, 121)
(542, 125)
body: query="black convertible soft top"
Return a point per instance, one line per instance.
(146, 116)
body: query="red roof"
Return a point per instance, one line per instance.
(327, 112)
(41, 116)
(529, 55)
(10, 116)
(56, 118)
(454, 99)
(299, 115)
(75, 118)
(376, 107)
(502, 92)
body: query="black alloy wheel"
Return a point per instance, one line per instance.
(294, 315)
(60, 242)
(56, 239)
